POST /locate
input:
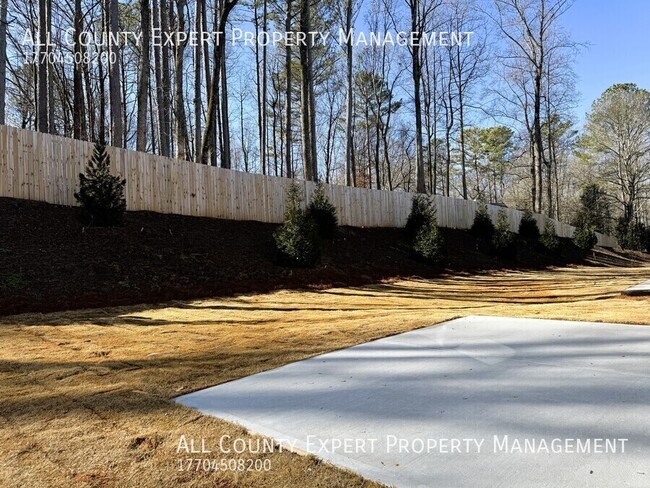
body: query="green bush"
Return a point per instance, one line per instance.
(549, 238)
(323, 212)
(297, 240)
(101, 195)
(632, 235)
(504, 242)
(594, 209)
(429, 245)
(585, 237)
(528, 226)
(482, 226)
(423, 212)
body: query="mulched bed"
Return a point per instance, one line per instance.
(49, 261)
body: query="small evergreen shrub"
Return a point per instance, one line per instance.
(297, 240)
(422, 214)
(631, 235)
(429, 244)
(101, 195)
(549, 238)
(482, 226)
(503, 241)
(324, 214)
(585, 237)
(528, 226)
(594, 209)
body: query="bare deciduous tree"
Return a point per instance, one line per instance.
(420, 12)
(530, 26)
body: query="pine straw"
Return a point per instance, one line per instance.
(87, 396)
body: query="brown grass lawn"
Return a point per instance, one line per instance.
(87, 397)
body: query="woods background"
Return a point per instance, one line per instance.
(493, 120)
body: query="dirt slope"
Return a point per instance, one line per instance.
(49, 261)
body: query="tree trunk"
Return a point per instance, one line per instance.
(164, 102)
(539, 142)
(179, 96)
(449, 127)
(216, 135)
(258, 87)
(461, 121)
(288, 93)
(115, 85)
(368, 149)
(3, 58)
(434, 131)
(389, 174)
(42, 98)
(306, 82)
(102, 100)
(556, 177)
(198, 27)
(426, 95)
(225, 123)
(208, 143)
(551, 169)
(78, 115)
(206, 50)
(277, 112)
(157, 58)
(377, 145)
(385, 130)
(551, 164)
(152, 118)
(143, 77)
(549, 190)
(123, 81)
(280, 139)
(67, 104)
(50, 78)
(90, 100)
(417, 76)
(263, 103)
(312, 111)
(331, 120)
(241, 129)
(350, 170)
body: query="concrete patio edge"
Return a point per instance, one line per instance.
(638, 290)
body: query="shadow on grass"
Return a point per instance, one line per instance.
(41, 389)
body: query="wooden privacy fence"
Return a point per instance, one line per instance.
(43, 167)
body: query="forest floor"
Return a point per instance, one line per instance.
(87, 396)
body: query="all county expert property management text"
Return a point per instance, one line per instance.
(394, 444)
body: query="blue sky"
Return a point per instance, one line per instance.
(619, 52)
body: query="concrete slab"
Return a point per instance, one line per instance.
(637, 290)
(479, 401)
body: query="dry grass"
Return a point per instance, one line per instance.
(87, 396)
